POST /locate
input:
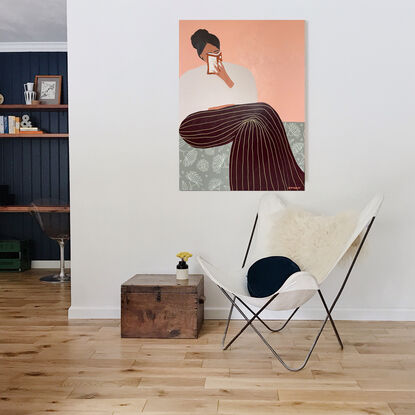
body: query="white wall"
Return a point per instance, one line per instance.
(128, 215)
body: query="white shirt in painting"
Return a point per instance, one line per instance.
(200, 91)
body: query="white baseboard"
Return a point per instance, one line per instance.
(94, 312)
(49, 264)
(213, 313)
(33, 47)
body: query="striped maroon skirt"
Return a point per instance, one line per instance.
(261, 157)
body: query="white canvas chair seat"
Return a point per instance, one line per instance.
(300, 286)
(296, 290)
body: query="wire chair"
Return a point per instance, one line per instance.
(56, 225)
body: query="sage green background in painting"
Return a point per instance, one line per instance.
(208, 169)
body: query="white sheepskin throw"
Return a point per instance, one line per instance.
(315, 243)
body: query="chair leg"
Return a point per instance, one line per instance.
(267, 326)
(273, 351)
(227, 323)
(331, 320)
(61, 277)
(249, 321)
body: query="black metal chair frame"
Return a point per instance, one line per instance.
(255, 315)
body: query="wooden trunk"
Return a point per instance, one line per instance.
(157, 306)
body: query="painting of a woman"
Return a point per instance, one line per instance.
(260, 156)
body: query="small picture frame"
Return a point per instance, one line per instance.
(48, 89)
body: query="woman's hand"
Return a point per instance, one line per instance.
(221, 72)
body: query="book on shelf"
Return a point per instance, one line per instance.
(17, 128)
(1, 125)
(31, 132)
(12, 124)
(27, 129)
(6, 124)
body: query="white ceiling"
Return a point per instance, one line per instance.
(32, 20)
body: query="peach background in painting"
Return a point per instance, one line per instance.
(273, 50)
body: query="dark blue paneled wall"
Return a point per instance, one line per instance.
(34, 168)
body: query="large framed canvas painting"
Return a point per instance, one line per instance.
(241, 89)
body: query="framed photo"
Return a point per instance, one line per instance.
(48, 89)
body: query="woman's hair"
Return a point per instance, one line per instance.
(201, 37)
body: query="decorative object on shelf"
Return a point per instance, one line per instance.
(1, 99)
(26, 126)
(26, 123)
(28, 86)
(29, 94)
(156, 306)
(182, 269)
(35, 102)
(48, 88)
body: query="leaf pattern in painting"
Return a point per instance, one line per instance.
(190, 158)
(194, 178)
(208, 169)
(203, 165)
(214, 184)
(217, 162)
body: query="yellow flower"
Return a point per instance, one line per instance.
(184, 255)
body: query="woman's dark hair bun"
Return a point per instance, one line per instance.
(201, 37)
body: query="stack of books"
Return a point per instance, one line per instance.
(10, 124)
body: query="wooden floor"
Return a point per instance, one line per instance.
(49, 365)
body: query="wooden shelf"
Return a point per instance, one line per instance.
(57, 107)
(23, 209)
(28, 135)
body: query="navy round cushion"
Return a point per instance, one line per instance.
(267, 275)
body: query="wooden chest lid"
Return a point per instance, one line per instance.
(149, 283)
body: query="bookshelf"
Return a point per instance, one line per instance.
(28, 209)
(40, 107)
(28, 135)
(22, 107)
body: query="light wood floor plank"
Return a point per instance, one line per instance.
(303, 408)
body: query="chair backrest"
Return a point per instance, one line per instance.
(56, 225)
(269, 208)
(365, 217)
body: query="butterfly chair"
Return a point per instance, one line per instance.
(299, 287)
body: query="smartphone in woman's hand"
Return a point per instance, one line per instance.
(212, 60)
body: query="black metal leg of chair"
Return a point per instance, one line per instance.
(267, 326)
(331, 320)
(249, 322)
(228, 321)
(273, 351)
